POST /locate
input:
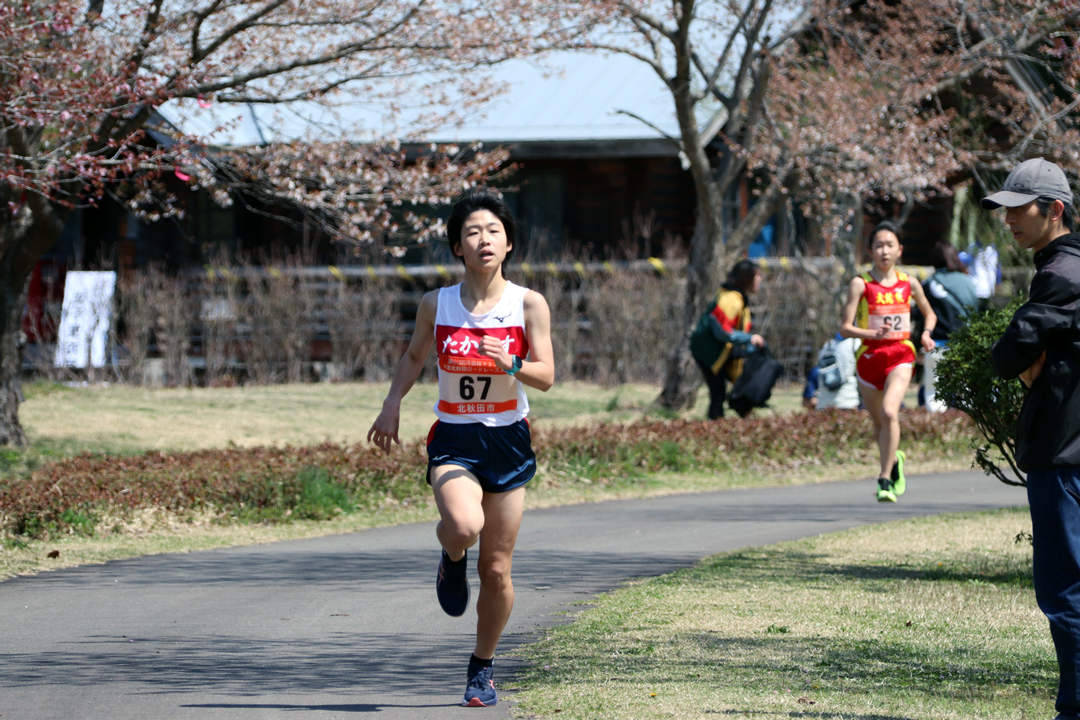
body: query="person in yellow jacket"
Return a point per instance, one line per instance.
(722, 337)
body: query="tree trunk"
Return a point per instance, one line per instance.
(710, 257)
(847, 231)
(11, 309)
(27, 231)
(703, 276)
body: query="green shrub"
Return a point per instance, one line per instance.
(967, 381)
(78, 521)
(320, 498)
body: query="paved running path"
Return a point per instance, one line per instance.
(348, 626)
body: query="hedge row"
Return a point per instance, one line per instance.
(269, 483)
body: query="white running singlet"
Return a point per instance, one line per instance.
(472, 388)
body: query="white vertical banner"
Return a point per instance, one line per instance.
(84, 320)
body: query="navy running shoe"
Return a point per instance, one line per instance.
(480, 690)
(452, 585)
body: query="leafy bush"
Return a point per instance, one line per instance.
(967, 381)
(322, 481)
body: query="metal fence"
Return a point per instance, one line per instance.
(612, 322)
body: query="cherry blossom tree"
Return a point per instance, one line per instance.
(833, 101)
(897, 101)
(87, 89)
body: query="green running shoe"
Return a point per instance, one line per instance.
(899, 484)
(885, 493)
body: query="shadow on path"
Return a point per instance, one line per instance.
(357, 708)
(355, 663)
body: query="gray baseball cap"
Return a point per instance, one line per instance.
(1031, 179)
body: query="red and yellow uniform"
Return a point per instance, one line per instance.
(889, 308)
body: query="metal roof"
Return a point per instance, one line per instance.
(566, 97)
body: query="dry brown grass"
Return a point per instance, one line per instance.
(134, 419)
(125, 418)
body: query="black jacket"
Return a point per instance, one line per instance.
(1048, 429)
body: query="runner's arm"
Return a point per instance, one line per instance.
(385, 428)
(929, 317)
(851, 306)
(539, 370)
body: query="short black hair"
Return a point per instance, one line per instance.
(889, 225)
(472, 201)
(1068, 216)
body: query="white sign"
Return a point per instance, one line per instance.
(84, 321)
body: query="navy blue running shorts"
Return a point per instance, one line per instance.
(501, 458)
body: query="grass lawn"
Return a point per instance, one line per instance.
(122, 419)
(929, 618)
(917, 619)
(63, 420)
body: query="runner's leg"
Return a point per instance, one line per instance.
(896, 384)
(873, 398)
(460, 501)
(502, 520)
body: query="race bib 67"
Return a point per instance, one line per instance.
(469, 383)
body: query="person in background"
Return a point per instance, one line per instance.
(722, 336)
(952, 295)
(809, 393)
(1041, 346)
(984, 269)
(832, 383)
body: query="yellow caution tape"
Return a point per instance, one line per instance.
(659, 265)
(443, 272)
(553, 269)
(404, 273)
(580, 268)
(336, 273)
(528, 269)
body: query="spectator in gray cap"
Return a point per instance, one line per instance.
(1042, 347)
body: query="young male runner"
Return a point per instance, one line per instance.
(878, 312)
(492, 337)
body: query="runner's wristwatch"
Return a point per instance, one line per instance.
(515, 365)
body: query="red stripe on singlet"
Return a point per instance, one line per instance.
(476, 408)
